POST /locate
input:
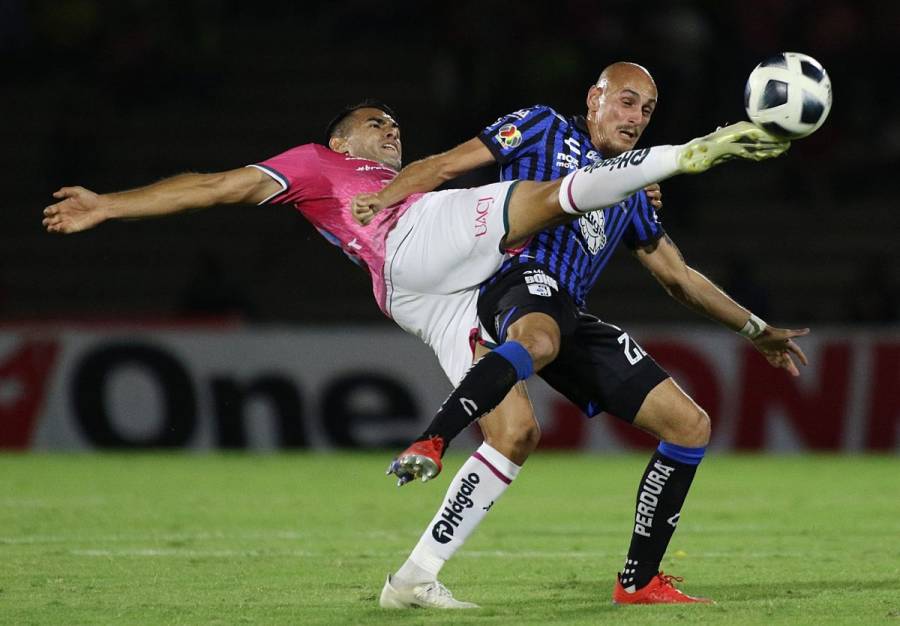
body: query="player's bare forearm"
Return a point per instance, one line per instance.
(422, 176)
(777, 345)
(78, 208)
(418, 177)
(431, 172)
(700, 294)
(688, 286)
(182, 193)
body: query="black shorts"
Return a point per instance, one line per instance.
(599, 367)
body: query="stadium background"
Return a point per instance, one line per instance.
(258, 313)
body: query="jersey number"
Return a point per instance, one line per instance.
(633, 352)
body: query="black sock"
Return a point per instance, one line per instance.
(480, 391)
(661, 494)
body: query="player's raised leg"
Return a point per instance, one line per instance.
(537, 205)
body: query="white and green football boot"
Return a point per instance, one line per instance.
(743, 140)
(431, 595)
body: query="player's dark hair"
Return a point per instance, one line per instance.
(334, 126)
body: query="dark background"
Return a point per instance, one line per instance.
(112, 95)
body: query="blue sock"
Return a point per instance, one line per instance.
(518, 356)
(682, 454)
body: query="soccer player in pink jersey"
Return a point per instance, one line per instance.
(428, 254)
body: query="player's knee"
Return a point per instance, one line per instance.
(695, 428)
(528, 437)
(516, 440)
(542, 345)
(544, 348)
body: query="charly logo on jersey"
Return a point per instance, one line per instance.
(509, 136)
(539, 284)
(570, 158)
(593, 229)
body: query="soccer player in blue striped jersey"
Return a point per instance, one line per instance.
(533, 311)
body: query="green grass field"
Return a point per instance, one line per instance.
(308, 539)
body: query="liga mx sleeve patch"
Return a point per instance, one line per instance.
(513, 135)
(509, 136)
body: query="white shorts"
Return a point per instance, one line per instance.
(436, 257)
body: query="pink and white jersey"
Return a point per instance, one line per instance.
(320, 183)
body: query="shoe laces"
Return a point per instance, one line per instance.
(437, 589)
(669, 580)
(436, 441)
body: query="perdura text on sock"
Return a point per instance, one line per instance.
(648, 498)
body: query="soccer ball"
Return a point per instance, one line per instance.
(788, 94)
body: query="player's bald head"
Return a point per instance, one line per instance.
(620, 73)
(620, 105)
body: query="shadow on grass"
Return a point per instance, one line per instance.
(789, 590)
(592, 592)
(590, 602)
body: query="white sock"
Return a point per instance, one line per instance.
(478, 484)
(610, 181)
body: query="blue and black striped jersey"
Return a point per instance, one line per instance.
(540, 144)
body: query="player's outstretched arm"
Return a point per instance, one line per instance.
(79, 209)
(422, 176)
(697, 292)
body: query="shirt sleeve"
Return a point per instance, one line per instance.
(646, 227)
(515, 135)
(296, 170)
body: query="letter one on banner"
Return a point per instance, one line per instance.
(95, 370)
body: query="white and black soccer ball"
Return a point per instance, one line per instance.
(788, 94)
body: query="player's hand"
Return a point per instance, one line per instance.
(365, 207)
(78, 209)
(654, 195)
(779, 348)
